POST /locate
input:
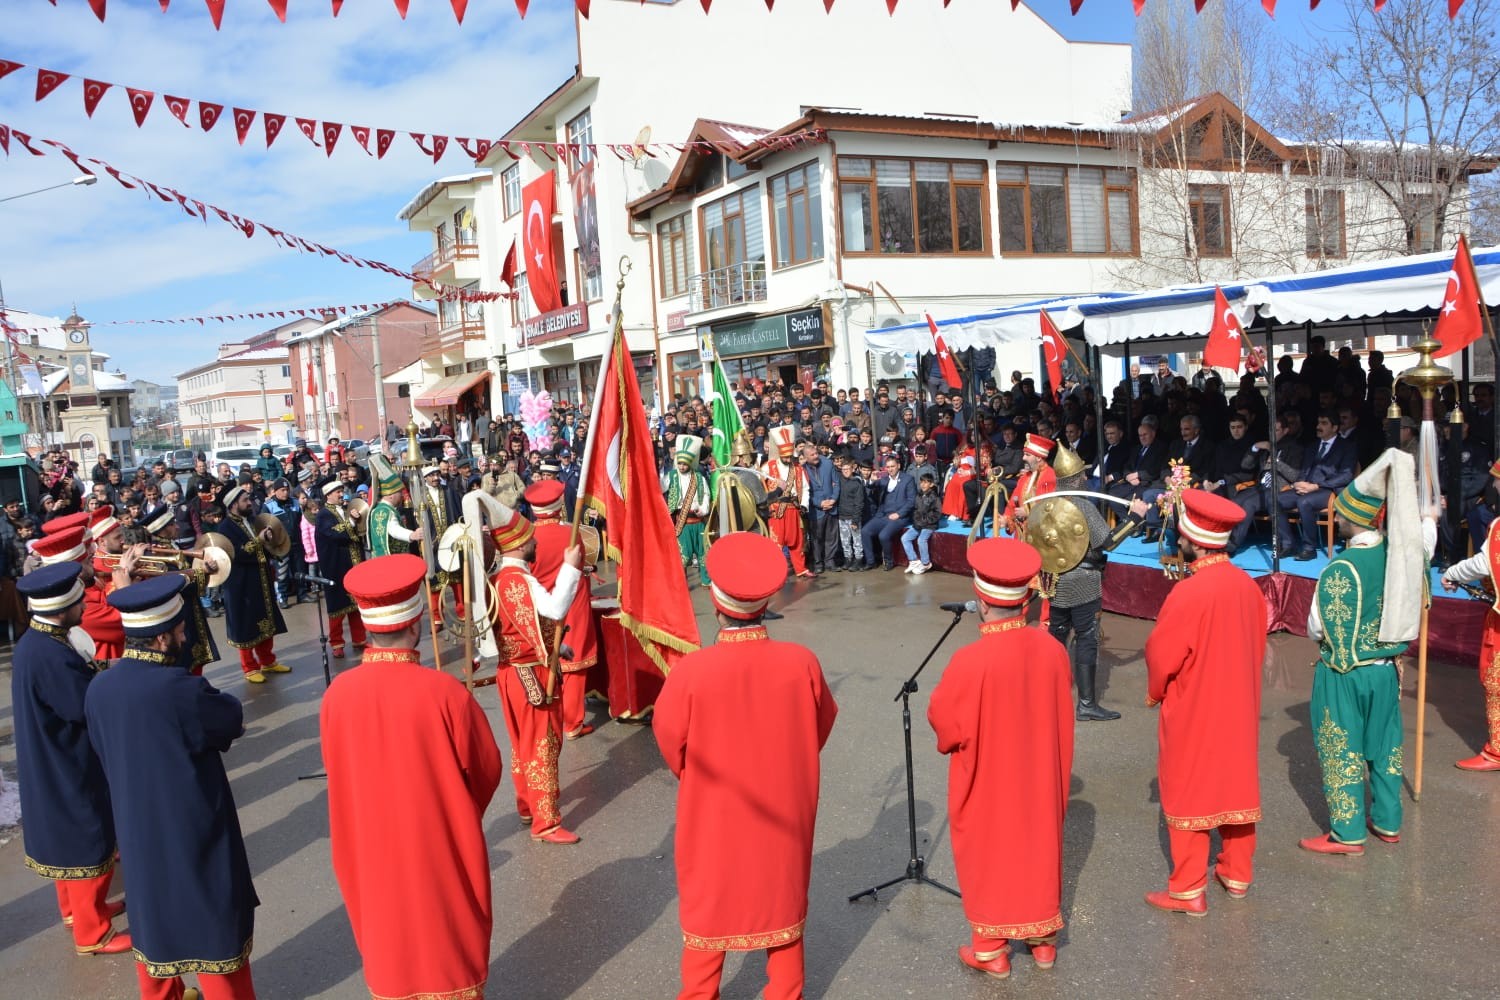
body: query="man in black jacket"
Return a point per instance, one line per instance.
(1256, 499)
(1144, 463)
(1327, 467)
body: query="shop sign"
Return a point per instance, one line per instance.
(677, 321)
(556, 325)
(769, 334)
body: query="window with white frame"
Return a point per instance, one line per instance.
(1053, 209)
(674, 239)
(797, 215)
(521, 304)
(580, 140)
(1324, 211)
(510, 189)
(913, 206)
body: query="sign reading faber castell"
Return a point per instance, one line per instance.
(768, 334)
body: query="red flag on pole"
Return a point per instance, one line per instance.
(312, 386)
(539, 200)
(619, 480)
(508, 271)
(1226, 336)
(1052, 350)
(944, 356)
(1459, 323)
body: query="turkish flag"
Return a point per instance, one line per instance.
(93, 91)
(944, 357)
(508, 271)
(312, 387)
(1226, 336)
(1052, 352)
(1459, 323)
(619, 480)
(208, 114)
(140, 103)
(538, 201)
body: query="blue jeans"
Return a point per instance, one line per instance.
(921, 535)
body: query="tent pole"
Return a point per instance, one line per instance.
(1273, 499)
(1099, 448)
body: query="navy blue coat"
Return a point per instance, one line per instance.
(251, 615)
(1333, 471)
(160, 732)
(69, 829)
(900, 501)
(338, 552)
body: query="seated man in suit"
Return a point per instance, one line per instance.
(1327, 467)
(1191, 450)
(1111, 467)
(895, 498)
(1228, 470)
(1143, 464)
(1255, 498)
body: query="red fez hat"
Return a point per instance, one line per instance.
(514, 532)
(1038, 446)
(1207, 519)
(1004, 569)
(388, 590)
(545, 497)
(101, 522)
(57, 524)
(746, 569)
(62, 546)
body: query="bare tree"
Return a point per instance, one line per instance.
(1406, 101)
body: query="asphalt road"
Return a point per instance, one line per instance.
(599, 920)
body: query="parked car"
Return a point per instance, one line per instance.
(235, 457)
(180, 459)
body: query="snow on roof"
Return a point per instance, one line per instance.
(103, 382)
(48, 331)
(430, 192)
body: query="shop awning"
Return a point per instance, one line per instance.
(450, 390)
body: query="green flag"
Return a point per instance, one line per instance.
(727, 423)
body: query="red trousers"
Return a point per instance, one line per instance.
(84, 907)
(336, 630)
(701, 971)
(1235, 864)
(1489, 678)
(787, 530)
(235, 986)
(258, 656)
(574, 688)
(535, 740)
(435, 602)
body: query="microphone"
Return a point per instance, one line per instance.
(960, 607)
(310, 578)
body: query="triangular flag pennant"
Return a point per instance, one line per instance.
(164, 5)
(338, 5)
(273, 125)
(706, 3)
(361, 135)
(243, 119)
(309, 128)
(1140, 5)
(401, 6)
(93, 91)
(331, 131)
(140, 103)
(420, 139)
(383, 139)
(521, 6)
(215, 11)
(1269, 6)
(1453, 6)
(439, 147)
(7, 67)
(48, 80)
(5, 139)
(1075, 4)
(98, 8)
(279, 6)
(179, 108)
(25, 140)
(583, 8)
(208, 114)
(890, 6)
(459, 6)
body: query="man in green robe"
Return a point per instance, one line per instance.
(688, 502)
(388, 535)
(1364, 612)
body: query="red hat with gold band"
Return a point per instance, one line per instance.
(1206, 519)
(1005, 570)
(62, 546)
(1038, 446)
(513, 532)
(546, 499)
(745, 569)
(102, 521)
(65, 523)
(388, 590)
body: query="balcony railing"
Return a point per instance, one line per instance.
(464, 245)
(728, 286)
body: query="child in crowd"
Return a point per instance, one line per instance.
(924, 521)
(853, 502)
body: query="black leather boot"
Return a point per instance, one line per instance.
(1087, 709)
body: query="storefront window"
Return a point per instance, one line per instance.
(562, 382)
(687, 373)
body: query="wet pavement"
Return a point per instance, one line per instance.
(599, 920)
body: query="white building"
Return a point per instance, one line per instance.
(243, 397)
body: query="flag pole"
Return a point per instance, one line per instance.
(1484, 311)
(616, 331)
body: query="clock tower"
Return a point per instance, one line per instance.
(85, 424)
(79, 358)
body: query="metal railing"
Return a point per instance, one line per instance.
(728, 286)
(464, 245)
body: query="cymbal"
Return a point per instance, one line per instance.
(279, 545)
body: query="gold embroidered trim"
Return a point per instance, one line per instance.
(89, 949)
(1207, 561)
(391, 656)
(754, 633)
(49, 629)
(745, 942)
(73, 873)
(206, 966)
(1231, 817)
(148, 656)
(1231, 883)
(1040, 928)
(1193, 894)
(995, 628)
(475, 992)
(265, 627)
(1342, 768)
(540, 775)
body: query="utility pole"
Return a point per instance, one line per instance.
(265, 409)
(321, 403)
(380, 418)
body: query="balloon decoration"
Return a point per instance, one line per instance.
(536, 408)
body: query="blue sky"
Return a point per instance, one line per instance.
(120, 254)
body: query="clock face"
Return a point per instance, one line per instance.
(76, 336)
(81, 370)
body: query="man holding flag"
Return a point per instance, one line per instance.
(727, 423)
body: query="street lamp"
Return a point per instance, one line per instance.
(82, 180)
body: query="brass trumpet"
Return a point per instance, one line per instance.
(160, 559)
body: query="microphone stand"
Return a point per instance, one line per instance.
(916, 865)
(323, 643)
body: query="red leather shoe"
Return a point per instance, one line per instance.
(557, 835)
(114, 944)
(338, 652)
(1195, 907)
(1044, 955)
(1478, 763)
(1327, 845)
(1382, 836)
(1233, 891)
(998, 967)
(582, 730)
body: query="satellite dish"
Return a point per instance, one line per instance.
(638, 148)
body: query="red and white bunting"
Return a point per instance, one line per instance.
(243, 119)
(179, 108)
(140, 104)
(93, 92)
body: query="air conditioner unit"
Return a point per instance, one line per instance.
(895, 364)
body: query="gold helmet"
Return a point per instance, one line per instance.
(1066, 462)
(741, 448)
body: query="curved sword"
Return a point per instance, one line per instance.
(1079, 493)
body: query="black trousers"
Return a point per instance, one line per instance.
(1083, 622)
(823, 537)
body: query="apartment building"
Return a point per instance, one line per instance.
(244, 397)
